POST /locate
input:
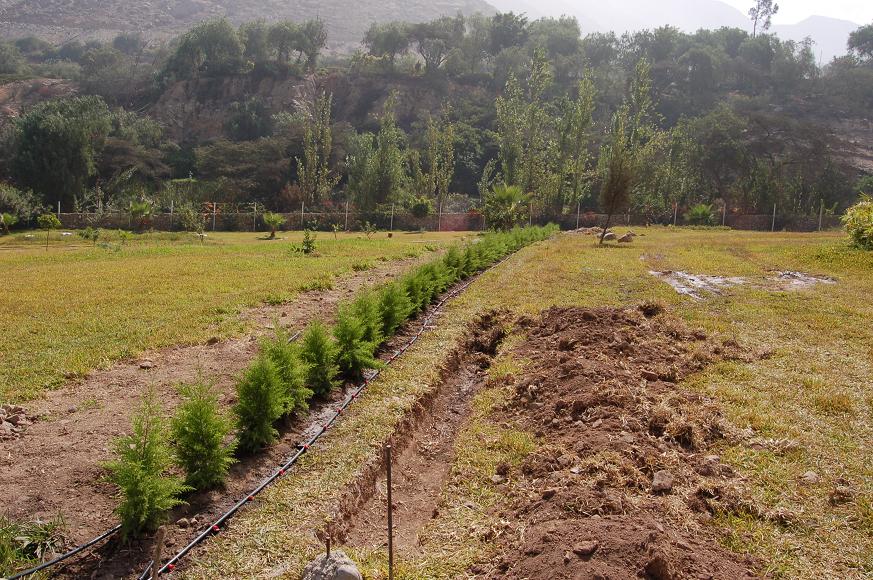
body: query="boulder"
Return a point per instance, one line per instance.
(626, 239)
(336, 567)
(609, 237)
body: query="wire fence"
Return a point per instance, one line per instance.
(355, 220)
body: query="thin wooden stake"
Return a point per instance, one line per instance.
(159, 546)
(390, 515)
(773, 226)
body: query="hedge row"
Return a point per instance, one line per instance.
(282, 381)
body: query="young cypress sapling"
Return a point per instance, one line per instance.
(199, 431)
(259, 405)
(394, 308)
(355, 354)
(319, 353)
(140, 471)
(289, 364)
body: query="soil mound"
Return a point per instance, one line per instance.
(622, 487)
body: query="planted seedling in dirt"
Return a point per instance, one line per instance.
(199, 431)
(308, 242)
(273, 221)
(140, 471)
(319, 352)
(90, 234)
(48, 222)
(259, 405)
(336, 228)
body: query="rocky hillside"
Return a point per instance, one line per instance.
(60, 20)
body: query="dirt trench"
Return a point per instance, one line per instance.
(423, 449)
(54, 467)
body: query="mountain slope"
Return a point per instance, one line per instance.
(830, 35)
(346, 22)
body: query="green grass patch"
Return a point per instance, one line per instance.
(76, 307)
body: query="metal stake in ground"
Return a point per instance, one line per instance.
(159, 546)
(390, 514)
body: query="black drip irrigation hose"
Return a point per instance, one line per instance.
(67, 555)
(215, 527)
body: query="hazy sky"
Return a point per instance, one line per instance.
(793, 11)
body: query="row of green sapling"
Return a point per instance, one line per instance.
(202, 442)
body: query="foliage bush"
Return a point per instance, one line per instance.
(355, 354)
(859, 223)
(319, 353)
(394, 308)
(274, 221)
(7, 220)
(199, 432)
(90, 234)
(308, 245)
(505, 207)
(285, 356)
(27, 543)
(700, 215)
(366, 308)
(259, 405)
(140, 471)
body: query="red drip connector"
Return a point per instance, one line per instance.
(215, 529)
(171, 567)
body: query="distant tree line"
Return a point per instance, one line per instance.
(455, 112)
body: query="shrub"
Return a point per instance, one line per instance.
(421, 207)
(259, 405)
(273, 221)
(355, 354)
(285, 356)
(366, 309)
(141, 212)
(199, 431)
(700, 215)
(394, 308)
(505, 206)
(7, 220)
(859, 223)
(191, 220)
(90, 234)
(139, 471)
(319, 353)
(415, 291)
(308, 245)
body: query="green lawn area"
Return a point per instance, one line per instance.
(76, 307)
(815, 391)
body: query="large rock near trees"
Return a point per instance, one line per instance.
(336, 567)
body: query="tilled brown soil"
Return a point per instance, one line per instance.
(54, 467)
(622, 486)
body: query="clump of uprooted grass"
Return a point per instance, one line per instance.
(26, 544)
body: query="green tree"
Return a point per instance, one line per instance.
(617, 170)
(762, 14)
(56, 146)
(211, 48)
(377, 172)
(199, 431)
(387, 40)
(48, 222)
(7, 220)
(861, 42)
(313, 171)
(273, 221)
(140, 471)
(505, 207)
(259, 405)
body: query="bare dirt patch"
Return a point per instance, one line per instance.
(622, 486)
(699, 286)
(53, 466)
